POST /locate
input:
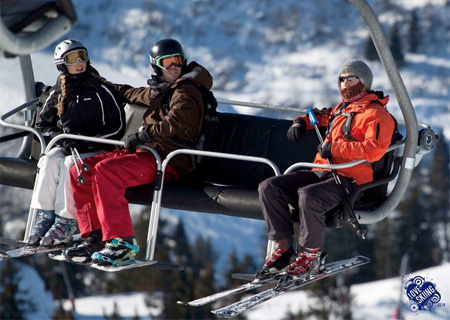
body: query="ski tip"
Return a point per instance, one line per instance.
(363, 258)
(222, 314)
(183, 303)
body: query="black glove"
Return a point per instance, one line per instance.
(41, 88)
(297, 131)
(42, 91)
(66, 145)
(134, 139)
(324, 150)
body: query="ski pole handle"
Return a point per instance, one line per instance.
(312, 117)
(314, 122)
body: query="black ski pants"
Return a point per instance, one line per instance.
(313, 193)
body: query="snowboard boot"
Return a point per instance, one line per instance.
(117, 251)
(82, 253)
(46, 218)
(278, 261)
(61, 232)
(307, 263)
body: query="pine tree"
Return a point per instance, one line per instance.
(180, 284)
(234, 266)
(414, 34)
(9, 308)
(395, 43)
(116, 313)
(370, 52)
(383, 252)
(413, 233)
(439, 203)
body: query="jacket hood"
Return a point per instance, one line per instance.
(198, 74)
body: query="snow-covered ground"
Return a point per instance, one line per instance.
(373, 300)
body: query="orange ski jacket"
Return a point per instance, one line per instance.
(369, 136)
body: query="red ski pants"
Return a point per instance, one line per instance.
(100, 201)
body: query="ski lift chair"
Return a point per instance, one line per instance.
(228, 186)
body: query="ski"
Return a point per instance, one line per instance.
(124, 266)
(60, 256)
(237, 308)
(12, 242)
(3, 255)
(29, 250)
(137, 264)
(230, 292)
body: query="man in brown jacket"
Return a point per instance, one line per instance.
(175, 111)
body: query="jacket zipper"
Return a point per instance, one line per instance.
(103, 110)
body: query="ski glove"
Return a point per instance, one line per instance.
(324, 150)
(297, 131)
(134, 139)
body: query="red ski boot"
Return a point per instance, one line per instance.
(306, 264)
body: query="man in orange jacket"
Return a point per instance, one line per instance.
(359, 127)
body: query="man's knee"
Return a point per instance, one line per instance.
(308, 199)
(267, 185)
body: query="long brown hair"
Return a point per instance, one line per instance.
(64, 87)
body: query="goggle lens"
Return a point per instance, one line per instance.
(165, 62)
(349, 78)
(72, 57)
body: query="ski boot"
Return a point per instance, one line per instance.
(61, 232)
(46, 218)
(276, 263)
(81, 254)
(307, 263)
(116, 252)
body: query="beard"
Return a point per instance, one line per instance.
(351, 92)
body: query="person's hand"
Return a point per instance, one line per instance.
(67, 145)
(137, 138)
(324, 150)
(297, 131)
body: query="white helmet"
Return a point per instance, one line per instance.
(63, 49)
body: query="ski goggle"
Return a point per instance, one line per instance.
(72, 57)
(164, 62)
(349, 78)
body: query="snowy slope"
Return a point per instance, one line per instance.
(374, 300)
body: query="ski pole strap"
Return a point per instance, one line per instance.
(312, 117)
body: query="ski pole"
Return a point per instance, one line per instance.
(84, 166)
(353, 220)
(81, 179)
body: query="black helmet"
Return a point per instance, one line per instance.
(65, 47)
(165, 47)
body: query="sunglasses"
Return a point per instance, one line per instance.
(349, 78)
(165, 62)
(72, 57)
